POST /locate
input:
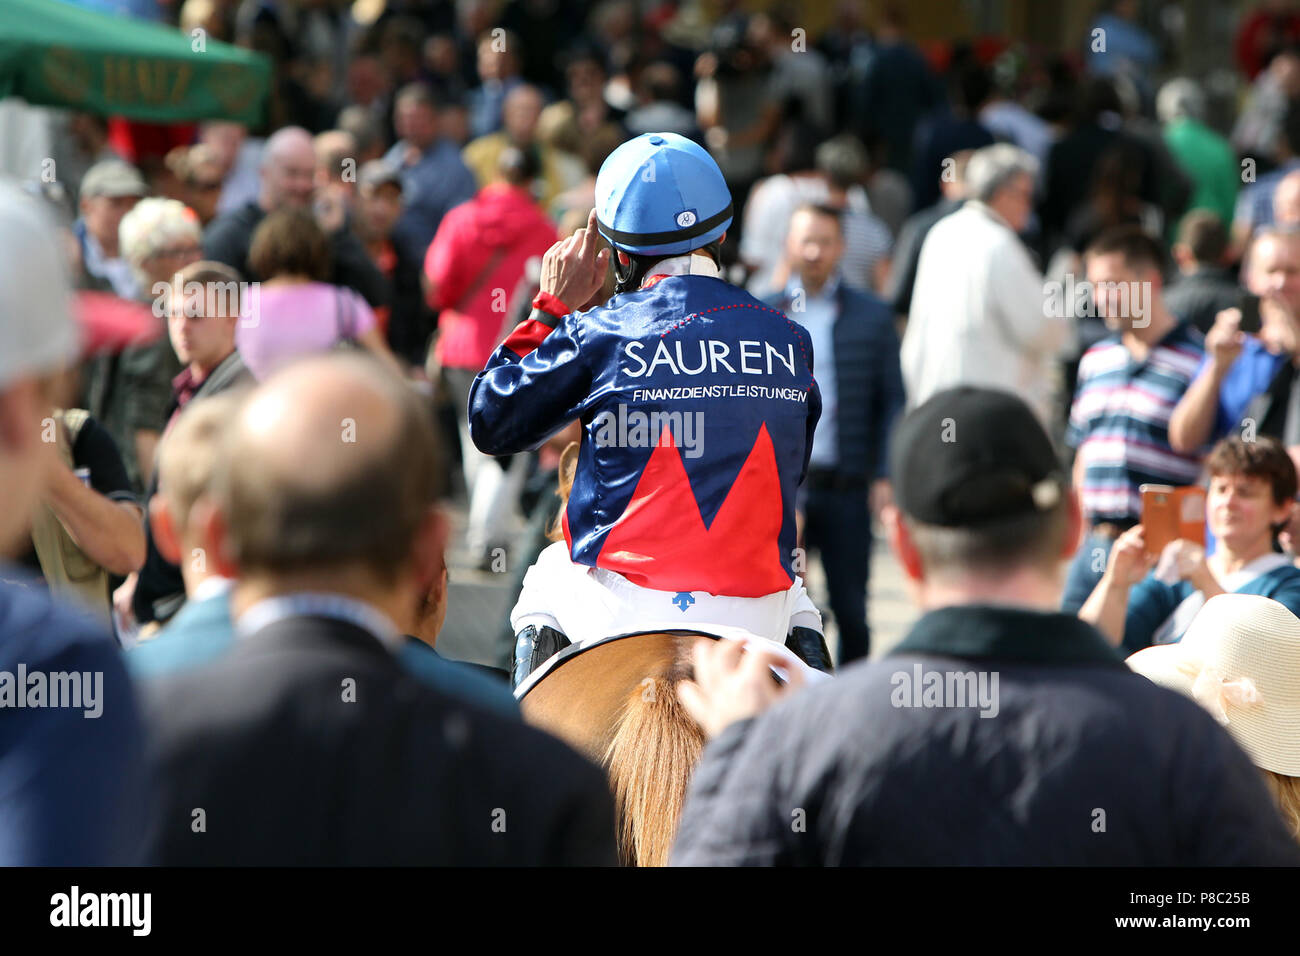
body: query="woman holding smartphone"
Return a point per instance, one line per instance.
(1146, 599)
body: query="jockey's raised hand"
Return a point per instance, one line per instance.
(733, 681)
(573, 269)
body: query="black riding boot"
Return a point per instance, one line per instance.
(810, 647)
(533, 647)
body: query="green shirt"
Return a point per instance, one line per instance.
(1210, 162)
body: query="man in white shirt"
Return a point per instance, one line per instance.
(979, 313)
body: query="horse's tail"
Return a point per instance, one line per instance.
(655, 747)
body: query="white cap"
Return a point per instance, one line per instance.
(37, 331)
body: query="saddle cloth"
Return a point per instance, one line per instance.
(588, 604)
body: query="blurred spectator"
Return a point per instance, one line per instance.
(895, 90)
(75, 790)
(1204, 288)
(659, 108)
(949, 128)
(296, 311)
(1070, 175)
(1249, 381)
(854, 341)
(1240, 652)
(984, 565)
(1286, 200)
(78, 142)
(911, 238)
(1128, 386)
(336, 162)
(240, 159)
(128, 392)
(1006, 117)
(204, 302)
(324, 587)
(841, 164)
(434, 179)
(178, 521)
(1122, 46)
(198, 174)
(474, 264)
(1114, 199)
(498, 74)
(1251, 492)
(523, 110)
(409, 323)
(1272, 26)
(288, 182)
(1203, 154)
(1254, 207)
(733, 108)
(88, 522)
(800, 76)
(585, 115)
(978, 315)
(108, 192)
(365, 130)
(1259, 123)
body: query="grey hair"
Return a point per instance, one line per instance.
(1180, 98)
(995, 166)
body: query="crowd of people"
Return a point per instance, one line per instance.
(245, 373)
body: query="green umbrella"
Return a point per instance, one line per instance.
(56, 54)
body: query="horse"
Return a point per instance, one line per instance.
(616, 702)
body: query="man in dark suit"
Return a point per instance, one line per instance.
(855, 350)
(309, 743)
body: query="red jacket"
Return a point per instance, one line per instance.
(474, 264)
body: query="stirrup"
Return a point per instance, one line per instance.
(810, 647)
(533, 647)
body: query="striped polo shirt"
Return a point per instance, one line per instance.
(1119, 422)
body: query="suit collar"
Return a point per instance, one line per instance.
(1008, 633)
(337, 607)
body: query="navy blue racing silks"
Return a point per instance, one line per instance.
(698, 408)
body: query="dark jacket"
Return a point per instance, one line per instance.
(869, 391)
(1199, 297)
(73, 787)
(160, 589)
(310, 744)
(229, 237)
(1079, 761)
(907, 252)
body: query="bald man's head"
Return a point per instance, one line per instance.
(330, 464)
(288, 169)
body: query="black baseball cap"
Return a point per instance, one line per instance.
(969, 456)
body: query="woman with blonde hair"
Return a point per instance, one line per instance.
(1240, 660)
(129, 393)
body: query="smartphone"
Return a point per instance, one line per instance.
(1249, 306)
(1170, 513)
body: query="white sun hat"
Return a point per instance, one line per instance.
(37, 331)
(1240, 660)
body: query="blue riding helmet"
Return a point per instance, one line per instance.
(661, 194)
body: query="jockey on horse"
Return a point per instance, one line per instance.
(698, 408)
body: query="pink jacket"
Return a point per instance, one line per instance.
(501, 225)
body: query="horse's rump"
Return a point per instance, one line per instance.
(616, 702)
